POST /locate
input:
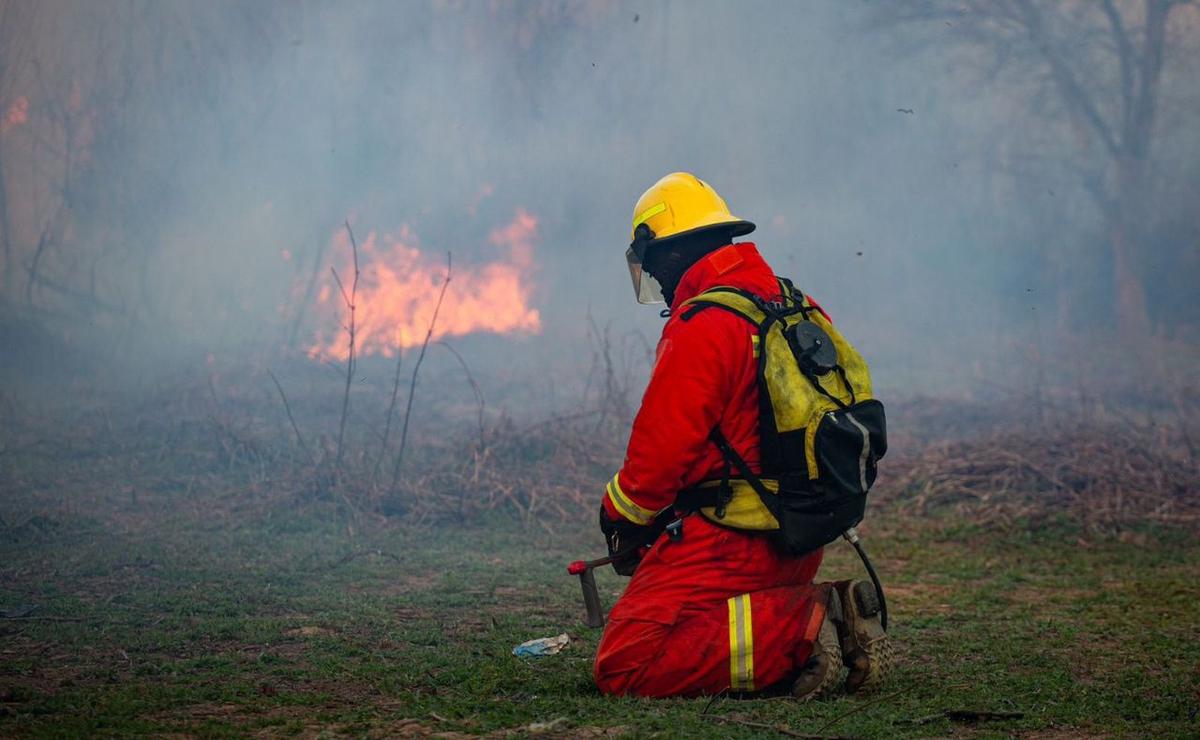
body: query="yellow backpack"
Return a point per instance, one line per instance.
(821, 431)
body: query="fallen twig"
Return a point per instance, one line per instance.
(858, 709)
(781, 729)
(711, 701)
(960, 715)
(362, 554)
(968, 715)
(922, 720)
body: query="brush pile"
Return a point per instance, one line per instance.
(1104, 477)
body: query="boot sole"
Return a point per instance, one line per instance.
(866, 648)
(830, 645)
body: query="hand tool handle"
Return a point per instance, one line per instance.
(591, 599)
(578, 566)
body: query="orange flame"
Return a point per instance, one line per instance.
(399, 285)
(17, 114)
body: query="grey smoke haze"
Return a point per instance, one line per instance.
(921, 195)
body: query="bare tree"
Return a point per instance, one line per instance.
(1102, 60)
(14, 60)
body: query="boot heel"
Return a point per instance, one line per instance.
(867, 599)
(833, 608)
(866, 649)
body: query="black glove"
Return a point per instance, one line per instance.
(626, 538)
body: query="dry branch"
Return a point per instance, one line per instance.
(350, 330)
(412, 386)
(857, 709)
(480, 404)
(287, 407)
(309, 291)
(781, 729)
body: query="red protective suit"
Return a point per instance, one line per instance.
(719, 608)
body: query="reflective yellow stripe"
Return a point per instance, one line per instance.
(754, 340)
(741, 644)
(749, 646)
(650, 212)
(734, 632)
(626, 506)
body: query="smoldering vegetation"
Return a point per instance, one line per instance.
(995, 200)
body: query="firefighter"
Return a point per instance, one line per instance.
(712, 607)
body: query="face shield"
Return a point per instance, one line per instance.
(645, 287)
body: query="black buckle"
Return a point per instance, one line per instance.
(724, 496)
(675, 530)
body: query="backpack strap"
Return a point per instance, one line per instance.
(731, 456)
(763, 315)
(735, 300)
(792, 296)
(749, 306)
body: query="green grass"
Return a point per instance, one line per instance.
(290, 625)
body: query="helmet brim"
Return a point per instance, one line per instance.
(736, 228)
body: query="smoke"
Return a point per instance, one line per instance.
(890, 174)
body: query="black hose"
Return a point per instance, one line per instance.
(883, 614)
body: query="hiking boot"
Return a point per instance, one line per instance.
(866, 649)
(820, 674)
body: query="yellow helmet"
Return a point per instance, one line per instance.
(679, 204)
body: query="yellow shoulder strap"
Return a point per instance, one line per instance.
(731, 299)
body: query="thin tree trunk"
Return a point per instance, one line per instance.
(10, 274)
(1125, 240)
(1127, 232)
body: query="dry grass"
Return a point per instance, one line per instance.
(1103, 468)
(1104, 477)
(1002, 461)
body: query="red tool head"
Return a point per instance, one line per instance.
(577, 567)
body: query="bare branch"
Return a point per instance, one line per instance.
(1125, 56)
(412, 386)
(33, 267)
(387, 425)
(287, 407)
(1148, 76)
(350, 358)
(338, 280)
(480, 404)
(308, 292)
(83, 300)
(1072, 91)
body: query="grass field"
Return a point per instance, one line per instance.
(174, 565)
(288, 624)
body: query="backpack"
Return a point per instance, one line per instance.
(821, 431)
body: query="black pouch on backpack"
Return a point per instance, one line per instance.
(847, 444)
